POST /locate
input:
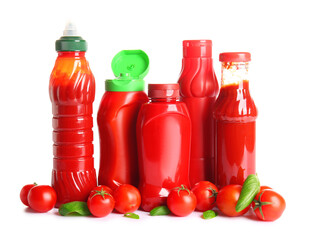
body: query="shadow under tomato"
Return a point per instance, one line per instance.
(30, 210)
(249, 215)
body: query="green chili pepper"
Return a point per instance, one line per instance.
(250, 188)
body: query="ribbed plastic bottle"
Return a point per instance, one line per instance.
(198, 90)
(117, 118)
(163, 135)
(72, 92)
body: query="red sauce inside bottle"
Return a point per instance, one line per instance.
(117, 118)
(72, 92)
(235, 114)
(163, 137)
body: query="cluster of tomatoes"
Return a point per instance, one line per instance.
(102, 200)
(40, 198)
(268, 205)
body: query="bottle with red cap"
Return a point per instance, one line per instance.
(163, 137)
(235, 114)
(199, 89)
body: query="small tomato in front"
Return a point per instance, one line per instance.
(127, 198)
(268, 205)
(181, 201)
(227, 199)
(206, 193)
(100, 202)
(42, 198)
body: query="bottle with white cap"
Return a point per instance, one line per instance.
(72, 92)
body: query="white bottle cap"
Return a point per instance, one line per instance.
(70, 29)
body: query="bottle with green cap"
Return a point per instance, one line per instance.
(117, 118)
(72, 92)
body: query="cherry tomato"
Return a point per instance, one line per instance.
(227, 199)
(42, 198)
(181, 201)
(100, 202)
(262, 188)
(24, 193)
(100, 188)
(268, 205)
(206, 193)
(127, 198)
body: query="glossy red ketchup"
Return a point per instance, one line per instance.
(235, 114)
(117, 118)
(198, 90)
(72, 92)
(163, 136)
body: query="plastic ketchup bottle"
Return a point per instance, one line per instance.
(117, 117)
(235, 115)
(163, 135)
(199, 89)
(72, 91)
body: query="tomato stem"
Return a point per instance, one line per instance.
(101, 192)
(259, 204)
(182, 188)
(214, 193)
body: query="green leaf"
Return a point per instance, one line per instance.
(209, 214)
(250, 188)
(75, 208)
(161, 210)
(131, 215)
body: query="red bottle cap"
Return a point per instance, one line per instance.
(235, 57)
(163, 90)
(197, 48)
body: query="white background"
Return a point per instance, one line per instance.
(275, 32)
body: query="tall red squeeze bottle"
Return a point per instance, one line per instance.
(117, 117)
(163, 135)
(72, 92)
(199, 89)
(235, 114)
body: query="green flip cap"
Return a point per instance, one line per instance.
(129, 67)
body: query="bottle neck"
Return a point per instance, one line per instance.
(168, 100)
(235, 73)
(197, 48)
(74, 54)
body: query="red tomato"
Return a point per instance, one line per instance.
(42, 198)
(127, 198)
(181, 201)
(100, 188)
(227, 199)
(262, 188)
(268, 205)
(206, 193)
(24, 193)
(100, 202)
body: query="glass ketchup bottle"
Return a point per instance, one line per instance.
(163, 136)
(198, 90)
(117, 118)
(72, 92)
(235, 114)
